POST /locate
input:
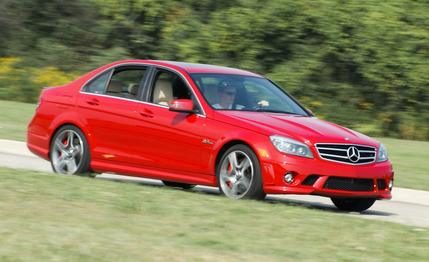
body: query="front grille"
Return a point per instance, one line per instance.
(344, 153)
(381, 184)
(349, 184)
(310, 180)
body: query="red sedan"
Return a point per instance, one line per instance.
(193, 124)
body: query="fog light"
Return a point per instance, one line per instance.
(391, 184)
(288, 177)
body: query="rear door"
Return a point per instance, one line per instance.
(110, 104)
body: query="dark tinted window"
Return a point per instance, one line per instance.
(98, 84)
(125, 82)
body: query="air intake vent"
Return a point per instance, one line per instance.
(349, 184)
(381, 184)
(310, 180)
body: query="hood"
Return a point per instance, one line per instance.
(301, 128)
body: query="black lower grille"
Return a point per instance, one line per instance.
(349, 184)
(310, 180)
(381, 184)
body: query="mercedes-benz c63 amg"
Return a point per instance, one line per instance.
(194, 124)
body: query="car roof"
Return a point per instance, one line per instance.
(195, 67)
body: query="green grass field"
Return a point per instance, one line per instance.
(409, 157)
(14, 118)
(50, 217)
(410, 162)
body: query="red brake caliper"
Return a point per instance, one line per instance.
(228, 183)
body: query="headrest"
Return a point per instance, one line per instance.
(163, 92)
(133, 88)
(115, 86)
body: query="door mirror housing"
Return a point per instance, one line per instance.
(182, 105)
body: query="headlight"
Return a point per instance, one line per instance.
(290, 146)
(382, 154)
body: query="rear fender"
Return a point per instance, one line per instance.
(70, 118)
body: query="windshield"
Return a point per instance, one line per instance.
(245, 93)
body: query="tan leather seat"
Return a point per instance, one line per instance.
(163, 92)
(114, 88)
(132, 89)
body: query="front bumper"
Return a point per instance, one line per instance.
(376, 176)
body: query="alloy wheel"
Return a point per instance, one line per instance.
(67, 152)
(236, 174)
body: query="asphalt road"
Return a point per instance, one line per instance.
(409, 207)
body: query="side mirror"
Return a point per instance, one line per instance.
(182, 105)
(308, 110)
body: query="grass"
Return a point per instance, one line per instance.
(410, 162)
(14, 118)
(408, 157)
(49, 217)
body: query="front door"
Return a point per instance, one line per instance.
(173, 140)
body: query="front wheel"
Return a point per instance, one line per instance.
(239, 174)
(69, 152)
(353, 204)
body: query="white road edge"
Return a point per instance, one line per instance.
(408, 206)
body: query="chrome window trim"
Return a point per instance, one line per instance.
(81, 91)
(346, 144)
(132, 100)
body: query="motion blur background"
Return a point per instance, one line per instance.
(362, 64)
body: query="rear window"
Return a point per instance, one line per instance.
(98, 84)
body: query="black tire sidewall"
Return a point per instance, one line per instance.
(353, 204)
(177, 184)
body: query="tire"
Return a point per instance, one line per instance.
(69, 152)
(238, 174)
(176, 184)
(353, 204)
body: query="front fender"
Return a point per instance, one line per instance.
(224, 135)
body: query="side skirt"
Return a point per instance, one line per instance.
(148, 172)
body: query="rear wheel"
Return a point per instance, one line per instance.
(353, 204)
(69, 152)
(239, 174)
(176, 184)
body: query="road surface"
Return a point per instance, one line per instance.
(409, 207)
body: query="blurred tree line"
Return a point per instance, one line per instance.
(363, 64)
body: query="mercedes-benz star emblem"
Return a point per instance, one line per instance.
(353, 154)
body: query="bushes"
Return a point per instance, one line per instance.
(21, 83)
(363, 64)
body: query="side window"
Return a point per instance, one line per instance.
(169, 86)
(98, 84)
(125, 82)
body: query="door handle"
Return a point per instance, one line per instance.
(146, 113)
(93, 102)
